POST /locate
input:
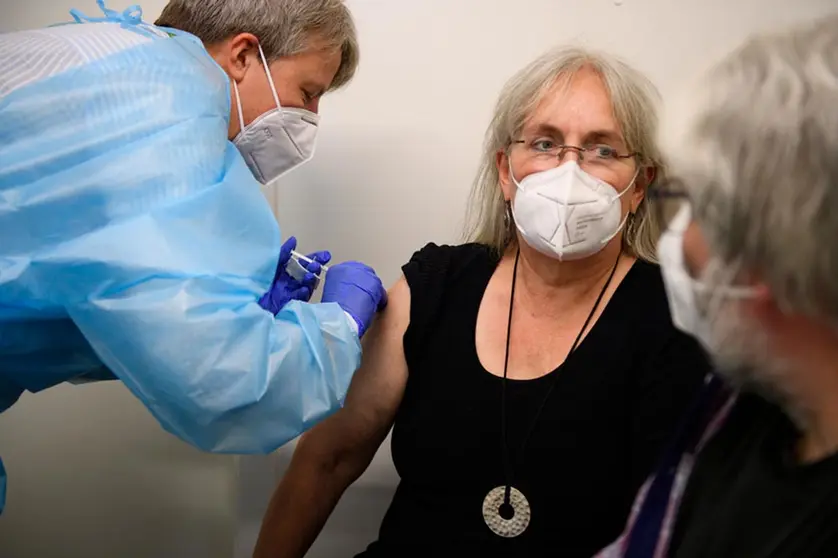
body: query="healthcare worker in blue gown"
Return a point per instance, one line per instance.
(135, 241)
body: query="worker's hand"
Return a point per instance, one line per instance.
(358, 290)
(285, 288)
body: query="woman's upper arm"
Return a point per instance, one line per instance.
(376, 390)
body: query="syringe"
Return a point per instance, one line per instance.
(307, 259)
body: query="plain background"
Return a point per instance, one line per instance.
(91, 475)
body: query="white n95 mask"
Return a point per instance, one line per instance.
(279, 140)
(683, 291)
(680, 286)
(566, 213)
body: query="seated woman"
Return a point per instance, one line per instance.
(532, 376)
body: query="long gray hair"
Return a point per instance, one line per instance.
(755, 141)
(634, 99)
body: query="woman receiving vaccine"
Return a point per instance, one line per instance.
(532, 375)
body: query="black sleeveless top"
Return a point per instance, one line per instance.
(617, 399)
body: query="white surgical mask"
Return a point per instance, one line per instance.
(682, 290)
(566, 213)
(279, 140)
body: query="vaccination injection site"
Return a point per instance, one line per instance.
(418, 278)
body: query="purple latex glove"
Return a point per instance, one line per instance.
(358, 290)
(285, 288)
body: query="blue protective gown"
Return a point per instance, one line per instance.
(135, 243)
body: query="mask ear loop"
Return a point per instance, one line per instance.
(512, 174)
(631, 186)
(270, 78)
(239, 106)
(617, 197)
(270, 82)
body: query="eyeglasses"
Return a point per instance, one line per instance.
(543, 152)
(668, 198)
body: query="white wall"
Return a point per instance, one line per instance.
(91, 475)
(90, 472)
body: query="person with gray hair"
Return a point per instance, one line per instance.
(310, 48)
(751, 268)
(532, 373)
(136, 243)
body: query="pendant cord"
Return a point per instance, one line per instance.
(507, 460)
(507, 464)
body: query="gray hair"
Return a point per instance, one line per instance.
(756, 145)
(284, 27)
(634, 99)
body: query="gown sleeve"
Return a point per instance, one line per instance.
(124, 208)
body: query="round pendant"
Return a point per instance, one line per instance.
(510, 520)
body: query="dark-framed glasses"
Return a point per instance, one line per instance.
(667, 199)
